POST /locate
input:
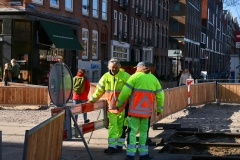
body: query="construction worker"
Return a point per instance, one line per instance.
(111, 83)
(141, 89)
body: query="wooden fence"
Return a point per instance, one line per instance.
(229, 92)
(45, 140)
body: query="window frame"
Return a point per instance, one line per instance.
(104, 17)
(54, 5)
(39, 2)
(86, 8)
(115, 19)
(95, 32)
(95, 9)
(87, 40)
(69, 9)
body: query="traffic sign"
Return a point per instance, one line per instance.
(238, 36)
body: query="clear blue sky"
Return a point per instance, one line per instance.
(234, 12)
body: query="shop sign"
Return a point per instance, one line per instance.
(52, 58)
(95, 66)
(16, 3)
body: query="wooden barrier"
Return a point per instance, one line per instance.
(24, 94)
(229, 92)
(202, 93)
(45, 140)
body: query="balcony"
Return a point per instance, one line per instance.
(149, 15)
(122, 36)
(138, 40)
(139, 10)
(148, 41)
(123, 4)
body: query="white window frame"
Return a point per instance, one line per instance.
(133, 3)
(144, 6)
(132, 25)
(120, 22)
(95, 11)
(105, 2)
(147, 56)
(85, 39)
(115, 22)
(96, 40)
(147, 31)
(40, 2)
(137, 55)
(85, 8)
(125, 24)
(69, 9)
(136, 26)
(54, 5)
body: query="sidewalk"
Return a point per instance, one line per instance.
(13, 141)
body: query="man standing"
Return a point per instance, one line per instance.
(80, 90)
(111, 83)
(142, 88)
(15, 70)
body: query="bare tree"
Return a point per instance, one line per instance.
(231, 3)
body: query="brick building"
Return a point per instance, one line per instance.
(140, 31)
(185, 35)
(28, 34)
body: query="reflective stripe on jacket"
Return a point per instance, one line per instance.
(142, 89)
(112, 86)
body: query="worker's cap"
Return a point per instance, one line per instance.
(141, 64)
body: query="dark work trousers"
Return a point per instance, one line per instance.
(125, 127)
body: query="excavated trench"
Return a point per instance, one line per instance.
(203, 145)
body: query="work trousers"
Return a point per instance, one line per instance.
(116, 132)
(135, 124)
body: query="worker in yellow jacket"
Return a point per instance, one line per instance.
(111, 84)
(142, 89)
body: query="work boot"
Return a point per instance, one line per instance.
(110, 150)
(87, 121)
(119, 148)
(147, 157)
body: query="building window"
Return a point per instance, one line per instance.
(150, 31)
(133, 3)
(85, 7)
(22, 31)
(156, 35)
(176, 6)
(104, 9)
(85, 43)
(120, 52)
(140, 28)
(157, 8)
(95, 8)
(136, 27)
(175, 26)
(115, 22)
(38, 2)
(54, 3)
(137, 55)
(125, 24)
(120, 22)
(147, 54)
(69, 5)
(132, 25)
(94, 44)
(147, 31)
(203, 38)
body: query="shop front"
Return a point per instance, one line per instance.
(37, 45)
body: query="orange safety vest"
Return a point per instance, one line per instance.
(141, 103)
(112, 100)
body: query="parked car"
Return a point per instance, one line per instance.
(224, 74)
(213, 76)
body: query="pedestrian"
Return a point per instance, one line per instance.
(15, 70)
(81, 88)
(184, 76)
(111, 84)
(6, 74)
(141, 89)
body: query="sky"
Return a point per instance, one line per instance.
(234, 12)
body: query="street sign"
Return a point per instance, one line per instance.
(237, 44)
(238, 36)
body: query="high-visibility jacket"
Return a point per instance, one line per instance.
(112, 86)
(142, 88)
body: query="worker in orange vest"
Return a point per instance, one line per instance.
(141, 89)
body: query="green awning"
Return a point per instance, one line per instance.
(61, 35)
